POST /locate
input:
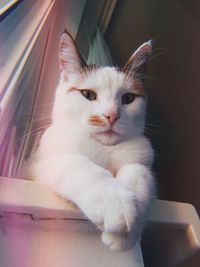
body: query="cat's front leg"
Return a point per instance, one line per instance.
(102, 198)
(140, 181)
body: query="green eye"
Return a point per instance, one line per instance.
(89, 94)
(128, 98)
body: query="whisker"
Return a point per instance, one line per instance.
(155, 56)
(38, 107)
(160, 135)
(149, 78)
(152, 130)
(156, 126)
(29, 134)
(34, 113)
(44, 105)
(29, 122)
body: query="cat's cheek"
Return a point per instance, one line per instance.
(123, 126)
(137, 106)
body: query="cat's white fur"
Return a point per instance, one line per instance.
(106, 173)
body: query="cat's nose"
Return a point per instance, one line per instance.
(111, 117)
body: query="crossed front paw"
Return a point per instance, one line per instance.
(112, 208)
(120, 210)
(115, 241)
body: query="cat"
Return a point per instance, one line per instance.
(95, 153)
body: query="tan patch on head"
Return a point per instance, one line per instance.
(97, 121)
(88, 70)
(135, 84)
(72, 89)
(138, 87)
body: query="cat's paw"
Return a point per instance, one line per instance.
(115, 241)
(121, 241)
(119, 210)
(110, 207)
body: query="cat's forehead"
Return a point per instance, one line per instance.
(105, 78)
(110, 79)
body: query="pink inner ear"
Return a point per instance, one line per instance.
(69, 58)
(63, 63)
(62, 60)
(63, 45)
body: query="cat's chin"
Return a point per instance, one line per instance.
(108, 138)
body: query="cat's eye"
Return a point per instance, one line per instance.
(128, 98)
(89, 94)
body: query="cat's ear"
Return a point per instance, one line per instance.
(137, 64)
(69, 59)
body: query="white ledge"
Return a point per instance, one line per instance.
(29, 197)
(31, 200)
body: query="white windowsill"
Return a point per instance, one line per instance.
(34, 205)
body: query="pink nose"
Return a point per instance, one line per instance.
(111, 117)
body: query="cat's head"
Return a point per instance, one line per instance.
(106, 103)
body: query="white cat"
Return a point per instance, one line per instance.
(95, 153)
